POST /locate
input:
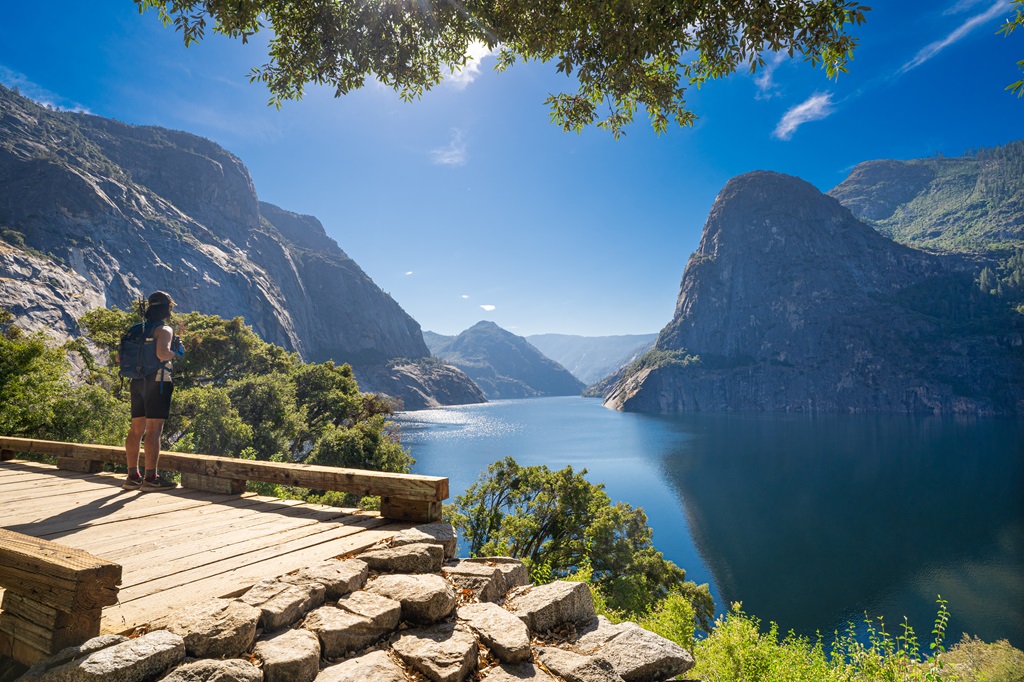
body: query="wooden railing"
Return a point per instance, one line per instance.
(53, 596)
(403, 497)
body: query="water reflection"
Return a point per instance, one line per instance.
(813, 520)
(809, 521)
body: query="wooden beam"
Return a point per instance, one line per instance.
(400, 509)
(65, 578)
(82, 466)
(357, 481)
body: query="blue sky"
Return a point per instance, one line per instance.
(468, 204)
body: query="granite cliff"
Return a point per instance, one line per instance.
(503, 364)
(94, 212)
(790, 303)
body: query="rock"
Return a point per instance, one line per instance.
(595, 634)
(209, 670)
(415, 558)
(70, 653)
(576, 668)
(513, 569)
(504, 633)
(425, 599)
(384, 612)
(636, 654)
(290, 656)
(133, 660)
(506, 365)
(516, 673)
(338, 577)
(342, 631)
(443, 653)
(486, 583)
(432, 534)
(228, 254)
(217, 628)
(791, 304)
(375, 666)
(283, 603)
(547, 606)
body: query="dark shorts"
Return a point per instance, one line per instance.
(151, 399)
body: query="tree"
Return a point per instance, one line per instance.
(561, 524)
(625, 54)
(1008, 27)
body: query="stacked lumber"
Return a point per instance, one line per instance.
(53, 596)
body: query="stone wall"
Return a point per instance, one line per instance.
(403, 610)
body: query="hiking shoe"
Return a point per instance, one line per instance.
(132, 483)
(157, 484)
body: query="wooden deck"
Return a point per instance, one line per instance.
(180, 546)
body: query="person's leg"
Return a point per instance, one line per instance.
(133, 443)
(154, 427)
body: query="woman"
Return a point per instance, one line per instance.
(151, 396)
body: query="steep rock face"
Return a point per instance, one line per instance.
(793, 304)
(424, 384)
(106, 212)
(504, 365)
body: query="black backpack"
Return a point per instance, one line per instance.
(137, 352)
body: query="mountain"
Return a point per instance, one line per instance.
(94, 212)
(968, 203)
(505, 365)
(791, 303)
(436, 341)
(591, 358)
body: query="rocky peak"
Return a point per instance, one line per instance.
(505, 365)
(791, 303)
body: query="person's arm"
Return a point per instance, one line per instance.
(163, 337)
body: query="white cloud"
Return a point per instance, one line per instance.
(487, 307)
(452, 155)
(471, 71)
(765, 81)
(932, 49)
(962, 6)
(409, 273)
(816, 107)
(465, 296)
(37, 93)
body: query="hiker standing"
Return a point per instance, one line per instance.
(146, 353)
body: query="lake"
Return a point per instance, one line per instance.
(809, 521)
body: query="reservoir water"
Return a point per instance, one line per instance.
(809, 521)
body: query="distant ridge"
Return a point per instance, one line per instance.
(961, 203)
(591, 358)
(504, 365)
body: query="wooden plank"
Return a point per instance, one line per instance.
(19, 651)
(132, 506)
(421, 511)
(195, 541)
(66, 627)
(85, 466)
(155, 610)
(407, 486)
(60, 576)
(162, 568)
(228, 486)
